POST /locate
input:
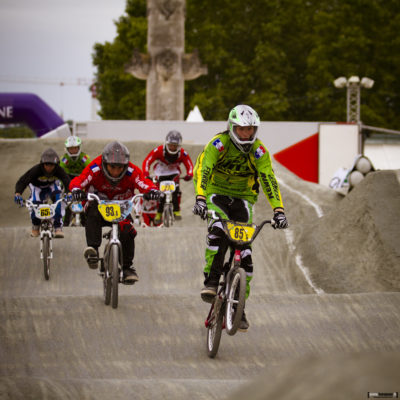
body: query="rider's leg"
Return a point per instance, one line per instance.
(93, 231)
(247, 264)
(67, 216)
(127, 238)
(35, 198)
(58, 223)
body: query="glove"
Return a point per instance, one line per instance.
(152, 195)
(188, 178)
(200, 208)
(78, 194)
(69, 198)
(19, 200)
(280, 220)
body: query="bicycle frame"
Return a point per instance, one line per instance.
(227, 308)
(112, 211)
(44, 212)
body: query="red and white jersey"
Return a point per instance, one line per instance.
(163, 167)
(92, 179)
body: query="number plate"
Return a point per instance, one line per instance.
(240, 233)
(167, 186)
(45, 212)
(110, 212)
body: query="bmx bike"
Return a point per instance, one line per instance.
(227, 307)
(168, 188)
(112, 211)
(76, 210)
(45, 212)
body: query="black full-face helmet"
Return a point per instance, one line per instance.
(49, 156)
(118, 154)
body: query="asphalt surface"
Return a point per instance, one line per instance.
(323, 311)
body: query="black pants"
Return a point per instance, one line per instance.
(175, 195)
(217, 242)
(127, 233)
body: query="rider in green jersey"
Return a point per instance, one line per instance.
(227, 178)
(73, 161)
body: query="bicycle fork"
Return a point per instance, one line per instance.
(48, 235)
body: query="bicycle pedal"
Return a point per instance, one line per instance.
(128, 282)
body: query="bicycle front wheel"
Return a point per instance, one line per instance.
(114, 256)
(236, 298)
(107, 277)
(214, 328)
(168, 216)
(46, 256)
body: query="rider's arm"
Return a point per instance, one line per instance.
(269, 183)
(140, 181)
(151, 157)
(62, 175)
(187, 162)
(205, 164)
(87, 175)
(29, 177)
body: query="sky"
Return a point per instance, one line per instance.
(46, 48)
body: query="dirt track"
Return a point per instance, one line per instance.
(325, 298)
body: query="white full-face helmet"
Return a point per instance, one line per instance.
(73, 141)
(243, 115)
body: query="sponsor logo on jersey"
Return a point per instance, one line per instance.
(218, 144)
(260, 152)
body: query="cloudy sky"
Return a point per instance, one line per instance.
(45, 43)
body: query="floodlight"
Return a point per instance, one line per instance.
(353, 80)
(367, 83)
(340, 82)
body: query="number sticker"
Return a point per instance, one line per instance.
(110, 212)
(167, 186)
(45, 212)
(240, 233)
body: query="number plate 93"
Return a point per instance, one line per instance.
(110, 212)
(240, 233)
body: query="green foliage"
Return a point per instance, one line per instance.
(16, 132)
(279, 56)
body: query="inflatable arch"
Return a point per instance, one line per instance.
(30, 109)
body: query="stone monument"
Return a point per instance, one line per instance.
(166, 66)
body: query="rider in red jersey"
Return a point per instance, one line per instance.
(167, 159)
(112, 177)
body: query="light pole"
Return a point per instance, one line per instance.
(353, 85)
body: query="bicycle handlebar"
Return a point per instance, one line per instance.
(30, 204)
(217, 216)
(93, 196)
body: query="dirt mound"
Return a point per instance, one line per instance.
(354, 247)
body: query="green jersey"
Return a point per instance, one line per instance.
(74, 167)
(223, 169)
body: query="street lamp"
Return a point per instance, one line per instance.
(353, 85)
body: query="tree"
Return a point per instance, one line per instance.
(279, 56)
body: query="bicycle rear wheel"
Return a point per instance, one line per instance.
(214, 328)
(113, 265)
(46, 256)
(235, 300)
